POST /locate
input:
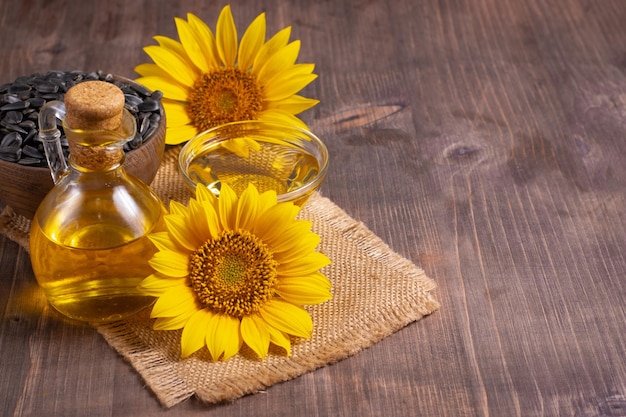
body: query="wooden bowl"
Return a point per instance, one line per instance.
(23, 187)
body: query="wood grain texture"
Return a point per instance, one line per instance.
(482, 140)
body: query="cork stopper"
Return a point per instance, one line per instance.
(94, 105)
(94, 116)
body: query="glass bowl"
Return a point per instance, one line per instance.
(289, 160)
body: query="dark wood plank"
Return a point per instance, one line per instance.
(483, 140)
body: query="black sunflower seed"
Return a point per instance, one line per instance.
(32, 152)
(27, 160)
(15, 105)
(10, 153)
(148, 105)
(11, 139)
(13, 117)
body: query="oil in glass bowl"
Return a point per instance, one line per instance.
(288, 160)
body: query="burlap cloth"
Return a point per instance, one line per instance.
(375, 293)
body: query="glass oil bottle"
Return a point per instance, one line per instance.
(88, 240)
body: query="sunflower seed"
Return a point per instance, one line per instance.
(12, 127)
(26, 160)
(11, 139)
(156, 95)
(133, 99)
(149, 131)
(36, 102)
(148, 105)
(32, 152)
(13, 117)
(20, 90)
(28, 124)
(142, 91)
(135, 142)
(16, 105)
(46, 88)
(31, 136)
(10, 98)
(10, 153)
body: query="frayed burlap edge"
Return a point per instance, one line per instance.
(14, 226)
(375, 293)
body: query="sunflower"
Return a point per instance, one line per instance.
(208, 80)
(235, 270)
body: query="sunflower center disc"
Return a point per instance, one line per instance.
(234, 274)
(223, 96)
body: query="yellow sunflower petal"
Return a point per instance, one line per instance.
(204, 195)
(207, 201)
(251, 42)
(177, 300)
(305, 265)
(290, 72)
(297, 248)
(279, 40)
(197, 213)
(223, 337)
(206, 39)
(194, 332)
(267, 200)
(255, 334)
(172, 323)
(318, 279)
(297, 234)
(190, 44)
(246, 208)
(294, 104)
(296, 252)
(170, 263)
(162, 241)
(227, 203)
(301, 292)
(279, 89)
(179, 134)
(171, 89)
(279, 62)
(273, 221)
(241, 146)
(176, 113)
(155, 285)
(173, 64)
(226, 35)
(147, 70)
(181, 232)
(178, 209)
(280, 339)
(287, 318)
(173, 46)
(212, 221)
(283, 117)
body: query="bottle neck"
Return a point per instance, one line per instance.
(96, 158)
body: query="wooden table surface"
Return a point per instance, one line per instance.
(483, 140)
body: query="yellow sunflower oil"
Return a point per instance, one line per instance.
(271, 167)
(88, 260)
(88, 241)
